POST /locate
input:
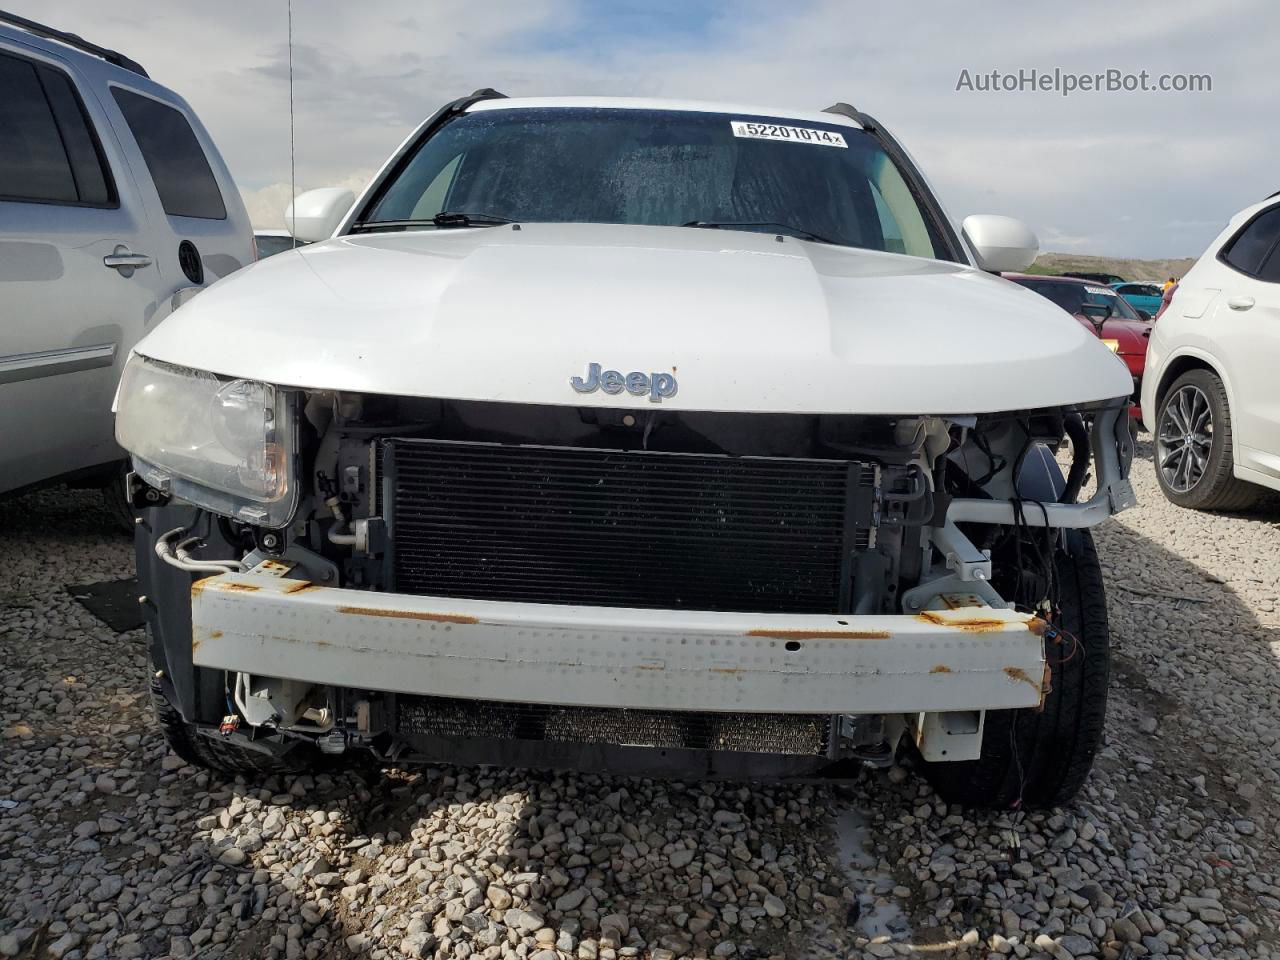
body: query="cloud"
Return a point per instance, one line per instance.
(1054, 238)
(1134, 174)
(266, 205)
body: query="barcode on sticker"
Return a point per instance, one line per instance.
(776, 131)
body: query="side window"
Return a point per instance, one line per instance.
(177, 164)
(49, 154)
(1249, 248)
(893, 193)
(87, 164)
(889, 228)
(1270, 271)
(434, 198)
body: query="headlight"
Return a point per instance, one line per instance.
(226, 445)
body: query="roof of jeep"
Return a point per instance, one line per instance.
(643, 103)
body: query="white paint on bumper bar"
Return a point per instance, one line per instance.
(968, 659)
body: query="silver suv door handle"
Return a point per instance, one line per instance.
(123, 258)
(116, 261)
(1240, 303)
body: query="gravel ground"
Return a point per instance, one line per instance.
(110, 847)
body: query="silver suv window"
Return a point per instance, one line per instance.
(48, 151)
(178, 165)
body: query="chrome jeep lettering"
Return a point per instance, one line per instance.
(611, 381)
(663, 385)
(657, 385)
(589, 384)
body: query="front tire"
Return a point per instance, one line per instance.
(220, 756)
(1040, 758)
(1194, 446)
(116, 499)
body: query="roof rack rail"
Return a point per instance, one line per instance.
(72, 40)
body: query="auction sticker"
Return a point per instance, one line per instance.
(776, 131)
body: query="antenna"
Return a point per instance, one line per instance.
(293, 165)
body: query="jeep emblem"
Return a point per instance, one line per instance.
(656, 385)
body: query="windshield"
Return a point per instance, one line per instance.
(821, 181)
(1073, 296)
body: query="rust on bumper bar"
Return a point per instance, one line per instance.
(971, 658)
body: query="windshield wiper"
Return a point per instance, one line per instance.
(447, 218)
(773, 225)
(456, 218)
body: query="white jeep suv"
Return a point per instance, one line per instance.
(1209, 392)
(672, 437)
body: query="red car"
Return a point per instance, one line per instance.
(1104, 313)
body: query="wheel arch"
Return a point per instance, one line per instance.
(1180, 364)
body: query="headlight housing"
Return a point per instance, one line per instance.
(225, 445)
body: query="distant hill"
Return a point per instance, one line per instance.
(1055, 263)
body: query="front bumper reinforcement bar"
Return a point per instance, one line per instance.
(266, 624)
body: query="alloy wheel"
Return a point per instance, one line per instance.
(1184, 438)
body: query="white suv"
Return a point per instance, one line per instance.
(633, 434)
(114, 206)
(1209, 393)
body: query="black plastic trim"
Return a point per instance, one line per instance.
(197, 694)
(662, 762)
(74, 40)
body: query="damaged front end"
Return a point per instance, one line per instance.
(650, 590)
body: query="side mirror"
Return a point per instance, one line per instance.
(1143, 315)
(314, 215)
(1000, 243)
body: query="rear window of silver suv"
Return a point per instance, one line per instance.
(177, 163)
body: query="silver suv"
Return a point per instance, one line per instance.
(114, 204)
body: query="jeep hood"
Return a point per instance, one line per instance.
(743, 321)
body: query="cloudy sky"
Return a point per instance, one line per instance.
(1122, 174)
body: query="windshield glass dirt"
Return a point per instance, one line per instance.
(825, 182)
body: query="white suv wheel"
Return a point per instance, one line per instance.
(1184, 438)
